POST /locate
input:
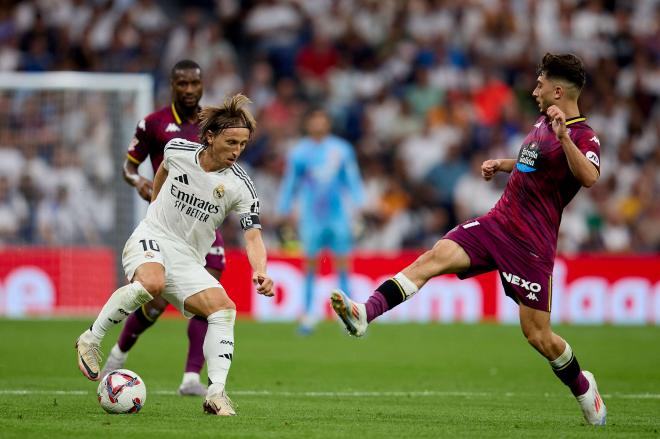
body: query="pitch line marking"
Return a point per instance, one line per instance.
(345, 394)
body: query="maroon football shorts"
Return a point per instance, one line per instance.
(526, 278)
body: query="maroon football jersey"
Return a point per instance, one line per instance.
(155, 130)
(541, 185)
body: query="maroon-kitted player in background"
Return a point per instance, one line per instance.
(518, 237)
(178, 119)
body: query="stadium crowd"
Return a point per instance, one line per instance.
(425, 90)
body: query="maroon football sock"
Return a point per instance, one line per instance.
(196, 332)
(135, 325)
(375, 306)
(580, 385)
(571, 375)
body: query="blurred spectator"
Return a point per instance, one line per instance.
(13, 212)
(61, 222)
(425, 89)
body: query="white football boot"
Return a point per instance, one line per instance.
(219, 404)
(592, 405)
(353, 314)
(89, 355)
(116, 360)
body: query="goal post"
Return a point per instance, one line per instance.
(70, 131)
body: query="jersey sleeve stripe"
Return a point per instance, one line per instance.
(247, 177)
(133, 159)
(181, 143)
(180, 149)
(246, 180)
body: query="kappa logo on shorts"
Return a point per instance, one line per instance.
(148, 255)
(529, 286)
(532, 296)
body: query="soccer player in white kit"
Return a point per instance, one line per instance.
(195, 188)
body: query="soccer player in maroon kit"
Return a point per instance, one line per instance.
(179, 119)
(518, 237)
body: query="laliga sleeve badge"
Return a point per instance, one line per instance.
(219, 191)
(593, 158)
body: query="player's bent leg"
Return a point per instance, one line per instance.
(121, 303)
(220, 312)
(139, 321)
(536, 327)
(445, 257)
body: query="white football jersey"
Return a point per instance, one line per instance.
(193, 203)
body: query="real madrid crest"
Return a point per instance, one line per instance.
(219, 191)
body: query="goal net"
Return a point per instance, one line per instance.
(63, 139)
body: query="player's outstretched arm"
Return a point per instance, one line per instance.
(256, 252)
(490, 167)
(159, 179)
(132, 177)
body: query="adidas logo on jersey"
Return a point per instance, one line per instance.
(182, 179)
(172, 128)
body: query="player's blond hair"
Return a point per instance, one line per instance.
(232, 114)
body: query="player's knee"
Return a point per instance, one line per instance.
(438, 257)
(539, 339)
(227, 304)
(154, 284)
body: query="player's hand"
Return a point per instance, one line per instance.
(144, 187)
(489, 168)
(264, 283)
(558, 119)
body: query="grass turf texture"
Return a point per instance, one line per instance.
(421, 381)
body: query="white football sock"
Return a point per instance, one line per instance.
(117, 353)
(119, 306)
(190, 377)
(219, 347)
(409, 287)
(563, 359)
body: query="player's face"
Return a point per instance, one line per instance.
(187, 87)
(545, 93)
(318, 124)
(227, 146)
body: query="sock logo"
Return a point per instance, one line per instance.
(229, 342)
(227, 356)
(182, 178)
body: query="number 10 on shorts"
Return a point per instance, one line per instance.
(153, 245)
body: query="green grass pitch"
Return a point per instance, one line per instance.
(401, 381)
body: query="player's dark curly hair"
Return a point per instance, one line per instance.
(232, 114)
(563, 66)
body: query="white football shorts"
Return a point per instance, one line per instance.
(184, 275)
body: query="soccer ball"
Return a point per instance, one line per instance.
(122, 391)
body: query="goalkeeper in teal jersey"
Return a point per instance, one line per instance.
(322, 175)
